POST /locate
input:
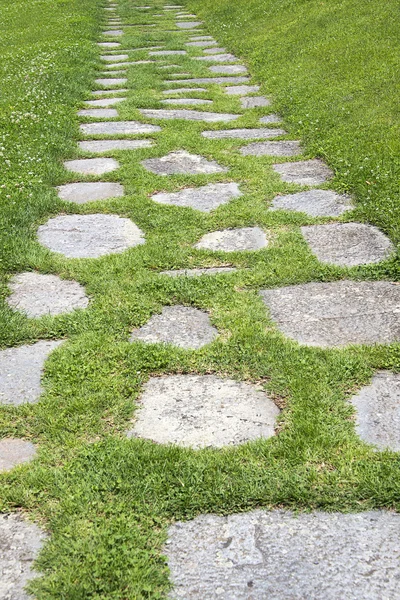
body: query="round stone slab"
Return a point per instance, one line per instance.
(21, 371)
(181, 162)
(272, 149)
(89, 236)
(304, 172)
(99, 113)
(316, 203)
(337, 314)
(255, 102)
(20, 544)
(188, 115)
(234, 240)
(15, 452)
(38, 295)
(205, 199)
(100, 146)
(378, 411)
(200, 411)
(92, 166)
(181, 326)
(347, 244)
(198, 272)
(228, 69)
(81, 193)
(244, 134)
(118, 128)
(279, 555)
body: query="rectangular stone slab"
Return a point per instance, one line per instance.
(189, 115)
(244, 134)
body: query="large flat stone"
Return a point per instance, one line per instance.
(284, 148)
(118, 128)
(111, 82)
(186, 101)
(205, 198)
(181, 326)
(13, 452)
(244, 134)
(181, 162)
(183, 91)
(254, 102)
(89, 236)
(98, 113)
(81, 193)
(316, 203)
(202, 43)
(114, 57)
(378, 411)
(21, 372)
(104, 101)
(347, 244)
(198, 272)
(279, 555)
(338, 313)
(219, 58)
(271, 119)
(214, 51)
(188, 115)
(211, 80)
(228, 69)
(107, 145)
(202, 411)
(114, 32)
(189, 24)
(92, 166)
(109, 44)
(39, 295)
(304, 172)
(241, 90)
(234, 240)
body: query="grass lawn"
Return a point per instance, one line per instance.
(332, 71)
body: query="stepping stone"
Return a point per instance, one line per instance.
(254, 102)
(234, 240)
(114, 32)
(228, 69)
(215, 51)
(277, 554)
(337, 314)
(118, 128)
(92, 166)
(183, 90)
(189, 24)
(39, 295)
(304, 172)
(192, 101)
(347, 244)
(21, 543)
(270, 119)
(114, 57)
(272, 149)
(197, 38)
(21, 371)
(244, 134)
(181, 326)
(109, 145)
(115, 82)
(201, 411)
(378, 411)
(316, 203)
(211, 80)
(202, 44)
(198, 272)
(106, 92)
(109, 44)
(114, 73)
(221, 58)
(15, 452)
(205, 199)
(104, 101)
(168, 53)
(181, 162)
(89, 236)
(188, 115)
(81, 193)
(100, 113)
(241, 90)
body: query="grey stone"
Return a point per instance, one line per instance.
(220, 58)
(109, 145)
(104, 101)
(39, 295)
(337, 314)
(228, 69)
(203, 410)
(202, 44)
(214, 51)
(188, 115)
(109, 44)
(89, 236)
(316, 203)
(189, 24)
(15, 452)
(278, 555)
(244, 134)
(100, 113)
(189, 101)
(304, 172)
(205, 199)
(378, 411)
(111, 82)
(211, 80)
(168, 53)
(271, 119)
(196, 38)
(198, 272)
(92, 166)
(241, 90)
(181, 326)
(107, 92)
(21, 372)
(81, 193)
(181, 162)
(291, 148)
(20, 544)
(234, 240)
(183, 91)
(254, 102)
(347, 244)
(114, 57)
(114, 32)
(118, 128)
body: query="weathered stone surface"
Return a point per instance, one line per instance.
(254, 102)
(189, 24)
(99, 113)
(38, 295)
(92, 166)
(118, 128)
(316, 203)
(215, 51)
(183, 101)
(234, 240)
(220, 58)
(14, 452)
(111, 82)
(81, 193)
(114, 57)
(181, 326)
(202, 44)
(104, 101)
(183, 90)
(378, 411)
(202, 411)
(290, 148)
(107, 145)
(188, 115)
(228, 69)
(168, 53)
(197, 38)
(108, 92)
(211, 80)
(89, 236)
(347, 244)
(181, 162)
(21, 372)
(109, 44)
(241, 90)
(304, 172)
(20, 544)
(338, 313)
(244, 134)
(205, 198)
(271, 119)
(198, 272)
(114, 32)
(278, 555)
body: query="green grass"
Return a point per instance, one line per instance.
(106, 500)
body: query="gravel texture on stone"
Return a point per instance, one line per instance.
(188, 115)
(181, 162)
(81, 193)
(228, 69)
(13, 452)
(347, 244)
(181, 326)
(89, 236)
(205, 198)
(202, 411)
(284, 148)
(189, 24)
(188, 101)
(92, 166)
(210, 80)
(304, 172)
(378, 411)
(337, 314)
(202, 43)
(254, 102)
(99, 146)
(244, 134)
(241, 90)
(183, 91)
(234, 240)
(98, 113)
(271, 119)
(118, 128)
(111, 82)
(278, 555)
(21, 371)
(104, 101)
(219, 58)
(39, 295)
(198, 272)
(20, 544)
(316, 203)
